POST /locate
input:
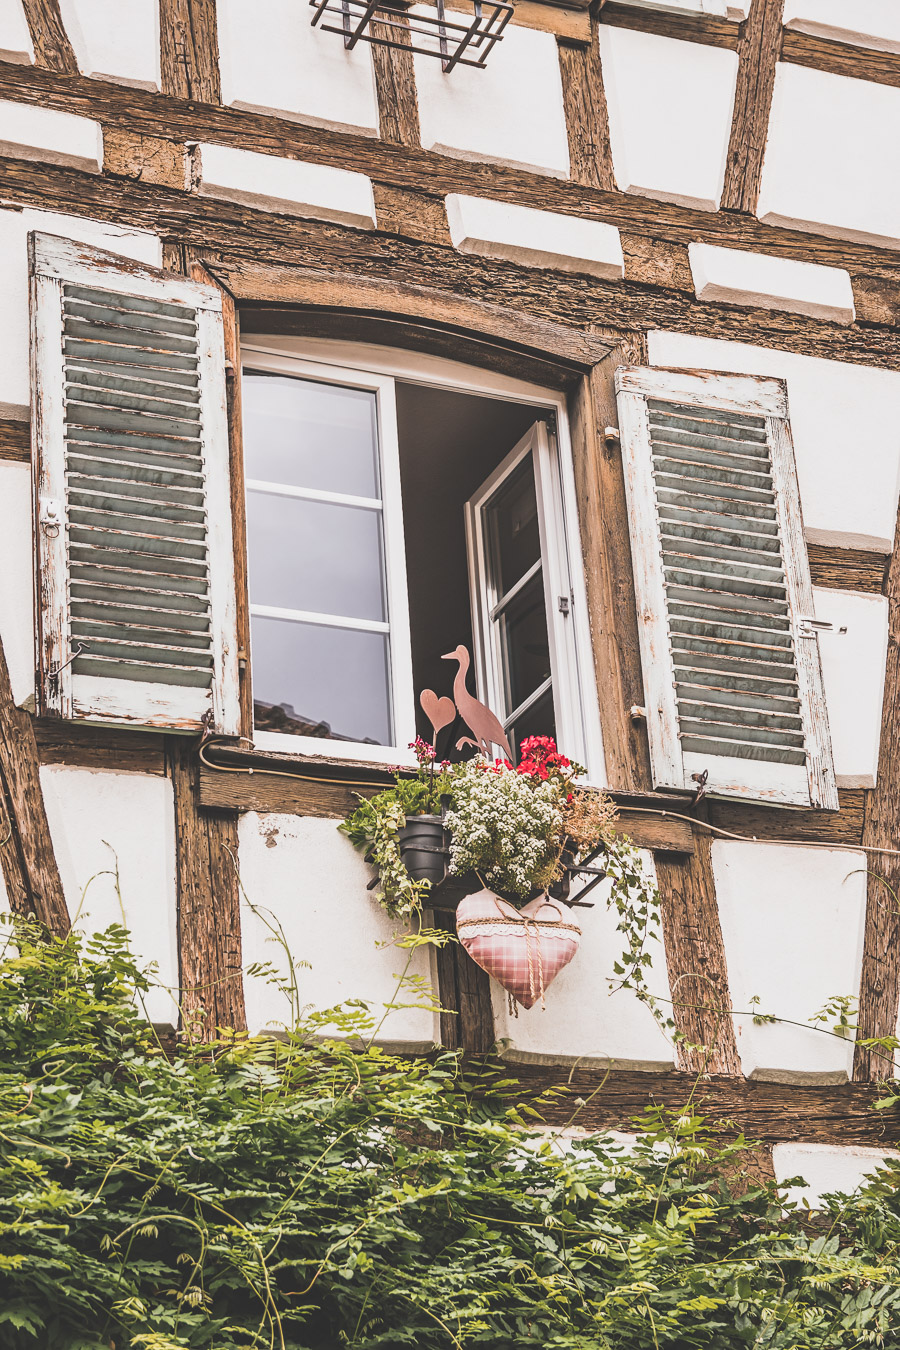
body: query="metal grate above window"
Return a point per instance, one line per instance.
(456, 40)
(730, 634)
(138, 565)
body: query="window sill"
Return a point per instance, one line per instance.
(329, 787)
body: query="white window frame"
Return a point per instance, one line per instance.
(538, 443)
(366, 365)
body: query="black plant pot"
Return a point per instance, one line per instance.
(424, 848)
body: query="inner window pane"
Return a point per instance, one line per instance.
(315, 556)
(312, 435)
(538, 720)
(315, 681)
(511, 517)
(524, 641)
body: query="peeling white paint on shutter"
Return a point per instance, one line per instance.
(134, 544)
(732, 676)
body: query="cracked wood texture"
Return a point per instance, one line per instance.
(587, 119)
(189, 50)
(464, 990)
(758, 52)
(209, 918)
(695, 956)
(603, 517)
(52, 48)
(33, 884)
(395, 85)
(879, 993)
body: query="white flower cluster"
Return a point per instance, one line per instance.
(503, 825)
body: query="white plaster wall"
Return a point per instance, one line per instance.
(853, 665)
(864, 23)
(17, 578)
(273, 61)
(511, 112)
(584, 1019)
(670, 106)
(826, 1168)
(829, 156)
(15, 35)
(14, 228)
(100, 819)
(846, 425)
(792, 920)
(309, 878)
(115, 40)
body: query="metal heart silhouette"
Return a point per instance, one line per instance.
(523, 950)
(439, 711)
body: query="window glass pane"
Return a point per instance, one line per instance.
(539, 720)
(315, 556)
(512, 523)
(524, 643)
(315, 681)
(307, 434)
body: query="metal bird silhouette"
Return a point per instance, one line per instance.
(484, 725)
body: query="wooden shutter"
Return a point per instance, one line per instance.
(732, 676)
(136, 602)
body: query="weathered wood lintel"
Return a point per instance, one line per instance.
(772, 1112)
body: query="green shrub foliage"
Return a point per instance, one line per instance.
(308, 1194)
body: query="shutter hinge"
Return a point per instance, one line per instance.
(50, 515)
(809, 627)
(563, 603)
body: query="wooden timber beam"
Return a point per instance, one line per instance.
(208, 904)
(841, 58)
(695, 957)
(395, 84)
(758, 51)
(879, 993)
(771, 1112)
(52, 48)
(142, 112)
(587, 118)
(189, 50)
(702, 28)
(33, 883)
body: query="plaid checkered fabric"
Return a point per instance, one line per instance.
(523, 950)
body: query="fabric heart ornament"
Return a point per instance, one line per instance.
(522, 949)
(439, 711)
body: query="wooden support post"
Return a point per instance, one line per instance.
(603, 517)
(464, 990)
(395, 84)
(695, 955)
(758, 52)
(32, 878)
(879, 993)
(209, 919)
(587, 119)
(52, 48)
(189, 50)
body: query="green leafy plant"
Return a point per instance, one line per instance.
(304, 1195)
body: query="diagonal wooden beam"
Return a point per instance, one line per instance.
(189, 50)
(758, 53)
(30, 872)
(52, 48)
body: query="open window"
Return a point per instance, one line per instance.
(395, 511)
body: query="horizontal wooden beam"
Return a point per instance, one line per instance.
(769, 1112)
(89, 747)
(333, 793)
(15, 440)
(711, 32)
(145, 113)
(815, 827)
(841, 58)
(848, 569)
